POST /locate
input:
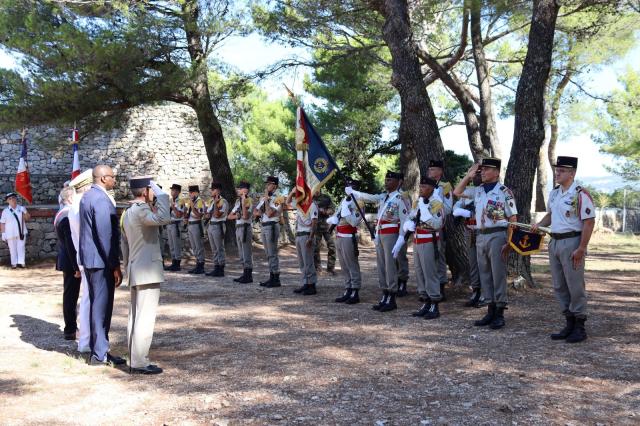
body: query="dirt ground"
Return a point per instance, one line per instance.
(242, 354)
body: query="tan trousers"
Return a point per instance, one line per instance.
(142, 319)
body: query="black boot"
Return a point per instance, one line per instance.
(192, 270)
(498, 319)
(579, 333)
(220, 271)
(402, 288)
(247, 277)
(391, 303)
(442, 286)
(300, 289)
(423, 309)
(267, 282)
(310, 290)
(177, 267)
(354, 298)
(244, 272)
(566, 331)
(275, 281)
(213, 272)
(433, 312)
(199, 269)
(382, 301)
(474, 301)
(168, 268)
(486, 320)
(344, 297)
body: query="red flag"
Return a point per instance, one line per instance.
(23, 182)
(75, 168)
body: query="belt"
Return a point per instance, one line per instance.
(243, 225)
(389, 228)
(302, 234)
(217, 223)
(346, 229)
(344, 235)
(269, 223)
(193, 222)
(422, 237)
(565, 235)
(487, 231)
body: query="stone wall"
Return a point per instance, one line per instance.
(162, 141)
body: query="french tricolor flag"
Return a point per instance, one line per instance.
(23, 180)
(75, 171)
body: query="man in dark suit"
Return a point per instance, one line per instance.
(100, 257)
(68, 264)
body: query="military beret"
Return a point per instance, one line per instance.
(272, 179)
(138, 182)
(394, 175)
(567, 162)
(194, 188)
(243, 185)
(491, 162)
(176, 187)
(425, 180)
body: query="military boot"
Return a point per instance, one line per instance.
(498, 319)
(474, 301)
(247, 277)
(310, 290)
(433, 312)
(354, 298)
(486, 320)
(275, 281)
(199, 269)
(177, 267)
(267, 282)
(213, 272)
(220, 272)
(402, 288)
(300, 289)
(579, 333)
(390, 305)
(442, 286)
(566, 331)
(344, 297)
(423, 309)
(382, 301)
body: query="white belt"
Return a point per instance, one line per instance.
(343, 235)
(389, 225)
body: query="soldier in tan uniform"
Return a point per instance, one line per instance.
(268, 211)
(445, 192)
(193, 217)
(143, 268)
(241, 213)
(173, 228)
(217, 217)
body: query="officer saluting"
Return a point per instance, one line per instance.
(425, 221)
(173, 229)
(217, 216)
(143, 267)
(193, 217)
(346, 220)
(392, 213)
(268, 211)
(241, 213)
(571, 214)
(495, 208)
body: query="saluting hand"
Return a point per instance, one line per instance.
(472, 170)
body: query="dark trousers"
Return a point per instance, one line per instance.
(101, 291)
(70, 301)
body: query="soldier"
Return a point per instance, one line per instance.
(193, 217)
(217, 216)
(143, 268)
(14, 229)
(402, 259)
(241, 213)
(268, 211)
(173, 229)
(465, 208)
(305, 228)
(325, 209)
(392, 213)
(571, 214)
(495, 208)
(444, 191)
(425, 221)
(346, 220)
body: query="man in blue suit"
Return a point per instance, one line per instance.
(100, 257)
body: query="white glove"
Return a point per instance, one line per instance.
(344, 209)
(348, 190)
(409, 226)
(397, 246)
(4, 237)
(155, 188)
(333, 220)
(461, 212)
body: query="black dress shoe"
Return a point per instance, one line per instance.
(93, 361)
(149, 369)
(115, 360)
(70, 336)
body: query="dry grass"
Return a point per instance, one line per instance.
(238, 354)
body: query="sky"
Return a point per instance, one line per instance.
(252, 52)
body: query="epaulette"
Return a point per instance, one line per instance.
(279, 200)
(579, 188)
(122, 219)
(556, 186)
(502, 188)
(435, 205)
(361, 204)
(415, 204)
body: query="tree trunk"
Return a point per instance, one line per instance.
(410, 168)
(418, 125)
(488, 130)
(528, 133)
(554, 112)
(200, 101)
(541, 172)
